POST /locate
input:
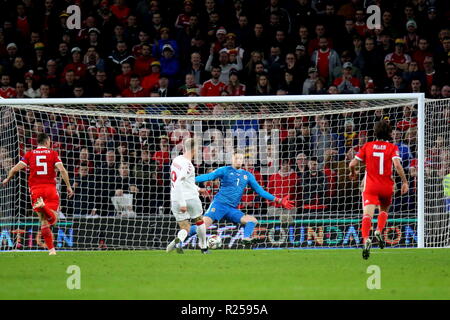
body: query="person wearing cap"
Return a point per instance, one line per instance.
(92, 40)
(399, 57)
(310, 82)
(369, 87)
(349, 134)
(347, 84)
(224, 63)
(76, 65)
(219, 39)
(150, 82)
(164, 33)
(430, 25)
(346, 56)
(411, 38)
(170, 65)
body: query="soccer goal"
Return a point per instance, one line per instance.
(118, 153)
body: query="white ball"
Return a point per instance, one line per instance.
(214, 242)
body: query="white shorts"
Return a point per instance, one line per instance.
(194, 209)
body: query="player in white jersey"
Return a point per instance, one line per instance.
(184, 198)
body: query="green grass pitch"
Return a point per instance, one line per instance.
(228, 274)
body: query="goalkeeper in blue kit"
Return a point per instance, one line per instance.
(233, 181)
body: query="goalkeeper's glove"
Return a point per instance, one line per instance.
(285, 202)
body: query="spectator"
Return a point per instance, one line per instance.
(189, 85)
(290, 84)
(20, 90)
(164, 89)
(234, 87)
(170, 65)
(325, 59)
(44, 90)
(314, 186)
(323, 138)
(6, 91)
(84, 203)
(309, 84)
(76, 65)
(135, 89)
(118, 57)
(197, 69)
(405, 151)
(225, 65)
(30, 90)
(280, 184)
(398, 57)
(263, 86)
(151, 81)
(397, 85)
(416, 85)
(142, 65)
(164, 40)
(347, 84)
(213, 86)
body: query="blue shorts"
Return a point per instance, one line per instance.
(447, 202)
(218, 211)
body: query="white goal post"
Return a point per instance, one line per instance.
(117, 150)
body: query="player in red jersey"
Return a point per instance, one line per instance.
(378, 155)
(42, 162)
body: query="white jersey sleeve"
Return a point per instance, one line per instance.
(182, 175)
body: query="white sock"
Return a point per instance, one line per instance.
(182, 234)
(201, 234)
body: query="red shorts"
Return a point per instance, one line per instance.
(48, 193)
(378, 198)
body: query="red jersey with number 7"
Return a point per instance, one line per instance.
(378, 156)
(41, 162)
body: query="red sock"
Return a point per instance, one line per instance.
(382, 219)
(366, 225)
(47, 234)
(49, 214)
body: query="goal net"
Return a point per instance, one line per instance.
(118, 153)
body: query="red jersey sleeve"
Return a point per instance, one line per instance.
(26, 158)
(395, 153)
(361, 155)
(56, 157)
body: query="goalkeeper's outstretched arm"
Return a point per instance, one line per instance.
(285, 202)
(218, 173)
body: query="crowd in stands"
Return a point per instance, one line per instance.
(142, 48)
(133, 48)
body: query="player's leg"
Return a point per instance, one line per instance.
(45, 204)
(214, 213)
(249, 223)
(237, 216)
(385, 203)
(196, 212)
(370, 202)
(182, 219)
(181, 236)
